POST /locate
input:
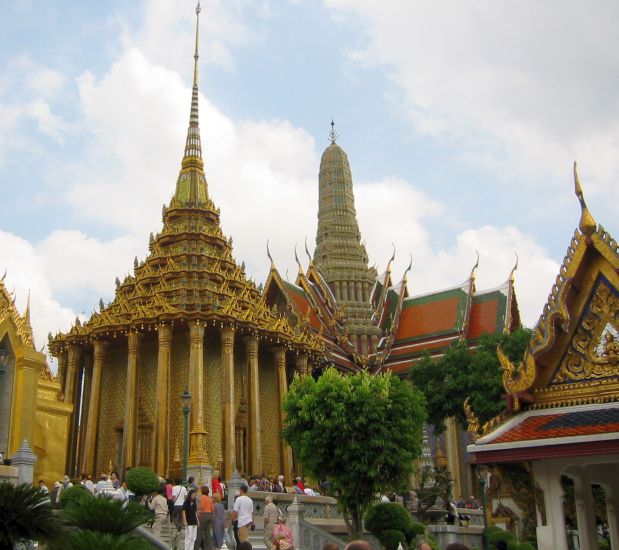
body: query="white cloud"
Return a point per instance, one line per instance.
(26, 272)
(521, 88)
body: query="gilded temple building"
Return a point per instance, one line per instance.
(563, 415)
(367, 320)
(187, 318)
(31, 403)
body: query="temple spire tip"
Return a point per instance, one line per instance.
(333, 135)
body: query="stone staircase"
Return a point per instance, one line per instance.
(175, 540)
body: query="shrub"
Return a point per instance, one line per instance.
(388, 515)
(106, 516)
(25, 514)
(92, 540)
(495, 536)
(74, 495)
(529, 546)
(414, 530)
(391, 538)
(142, 481)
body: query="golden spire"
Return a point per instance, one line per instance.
(587, 223)
(333, 134)
(193, 147)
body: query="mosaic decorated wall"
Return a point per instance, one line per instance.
(269, 413)
(112, 412)
(147, 399)
(179, 372)
(213, 384)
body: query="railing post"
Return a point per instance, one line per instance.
(296, 512)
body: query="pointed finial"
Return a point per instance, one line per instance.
(269, 255)
(475, 267)
(391, 259)
(587, 224)
(333, 134)
(3, 276)
(296, 258)
(513, 271)
(308, 253)
(410, 265)
(27, 312)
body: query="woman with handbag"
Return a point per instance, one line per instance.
(282, 535)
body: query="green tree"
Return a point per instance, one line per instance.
(362, 432)
(142, 481)
(460, 373)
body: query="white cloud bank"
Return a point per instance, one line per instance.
(263, 175)
(521, 88)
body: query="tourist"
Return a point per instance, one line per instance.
(42, 487)
(279, 486)
(105, 486)
(179, 493)
(219, 521)
(190, 519)
(54, 497)
(358, 545)
(310, 492)
(191, 484)
(424, 546)
(253, 484)
(299, 488)
(159, 505)
(472, 503)
(243, 514)
(282, 535)
(244, 546)
(217, 487)
(330, 546)
(205, 516)
(114, 479)
(123, 494)
(168, 495)
(270, 519)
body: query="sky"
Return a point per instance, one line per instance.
(461, 120)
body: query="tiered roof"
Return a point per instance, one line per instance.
(190, 272)
(563, 395)
(409, 325)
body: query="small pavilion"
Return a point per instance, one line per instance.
(563, 398)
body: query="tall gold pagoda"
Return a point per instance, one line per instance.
(188, 318)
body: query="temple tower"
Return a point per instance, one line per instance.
(188, 318)
(340, 256)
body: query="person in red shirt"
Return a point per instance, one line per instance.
(217, 488)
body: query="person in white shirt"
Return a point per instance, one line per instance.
(243, 514)
(179, 494)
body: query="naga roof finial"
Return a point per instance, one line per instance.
(296, 259)
(333, 135)
(587, 224)
(269, 255)
(308, 252)
(513, 271)
(475, 269)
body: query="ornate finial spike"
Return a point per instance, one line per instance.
(269, 255)
(307, 252)
(333, 134)
(391, 259)
(296, 258)
(587, 224)
(513, 271)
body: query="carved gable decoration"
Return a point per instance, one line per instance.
(593, 353)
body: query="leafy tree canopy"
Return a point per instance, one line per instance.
(362, 432)
(142, 481)
(460, 373)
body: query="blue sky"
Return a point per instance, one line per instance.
(461, 121)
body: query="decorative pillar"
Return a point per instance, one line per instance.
(83, 413)
(552, 534)
(360, 291)
(198, 465)
(351, 291)
(585, 515)
(337, 290)
(71, 396)
(302, 367)
(611, 491)
(131, 403)
(164, 334)
(62, 369)
(279, 355)
(255, 444)
(344, 291)
(227, 362)
(90, 442)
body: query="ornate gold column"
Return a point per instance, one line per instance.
(255, 446)
(90, 442)
(164, 333)
(131, 403)
(197, 435)
(71, 392)
(302, 367)
(279, 355)
(227, 362)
